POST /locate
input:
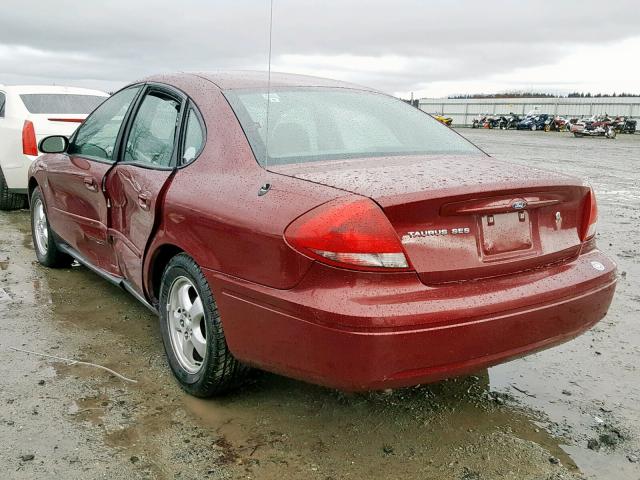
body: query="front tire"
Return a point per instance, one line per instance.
(44, 241)
(192, 333)
(8, 199)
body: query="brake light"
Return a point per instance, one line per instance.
(29, 144)
(350, 234)
(589, 216)
(67, 120)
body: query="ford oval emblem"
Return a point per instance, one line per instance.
(519, 205)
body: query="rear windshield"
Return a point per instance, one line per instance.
(61, 103)
(314, 124)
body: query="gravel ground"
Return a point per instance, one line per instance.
(570, 412)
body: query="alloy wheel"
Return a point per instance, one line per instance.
(40, 227)
(187, 328)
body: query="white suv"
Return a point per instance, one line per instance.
(28, 114)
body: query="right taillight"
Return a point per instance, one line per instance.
(29, 144)
(589, 216)
(351, 233)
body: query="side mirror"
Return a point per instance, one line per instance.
(54, 144)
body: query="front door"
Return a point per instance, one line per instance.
(136, 183)
(77, 203)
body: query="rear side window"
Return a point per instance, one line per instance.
(96, 137)
(194, 137)
(60, 103)
(152, 136)
(2, 101)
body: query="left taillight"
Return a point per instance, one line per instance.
(352, 234)
(29, 144)
(589, 216)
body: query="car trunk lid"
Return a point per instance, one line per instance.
(464, 218)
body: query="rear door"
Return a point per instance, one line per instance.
(136, 184)
(76, 202)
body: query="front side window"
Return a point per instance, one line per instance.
(314, 124)
(97, 136)
(194, 137)
(153, 131)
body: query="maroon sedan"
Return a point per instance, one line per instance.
(319, 230)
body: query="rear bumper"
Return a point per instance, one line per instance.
(370, 334)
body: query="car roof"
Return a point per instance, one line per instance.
(229, 80)
(51, 89)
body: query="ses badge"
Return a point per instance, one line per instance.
(438, 232)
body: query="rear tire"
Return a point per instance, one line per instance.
(44, 241)
(8, 199)
(192, 332)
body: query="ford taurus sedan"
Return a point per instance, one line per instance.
(319, 230)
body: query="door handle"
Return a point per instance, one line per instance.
(90, 183)
(143, 201)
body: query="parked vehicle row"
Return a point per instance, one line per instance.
(542, 121)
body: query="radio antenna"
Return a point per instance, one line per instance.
(266, 147)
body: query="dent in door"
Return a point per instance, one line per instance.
(133, 192)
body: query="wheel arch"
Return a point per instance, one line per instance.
(33, 183)
(159, 259)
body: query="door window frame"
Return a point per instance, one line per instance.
(181, 123)
(118, 142)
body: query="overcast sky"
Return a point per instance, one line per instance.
(433, 48)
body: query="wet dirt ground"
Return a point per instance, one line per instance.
(569, 412)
